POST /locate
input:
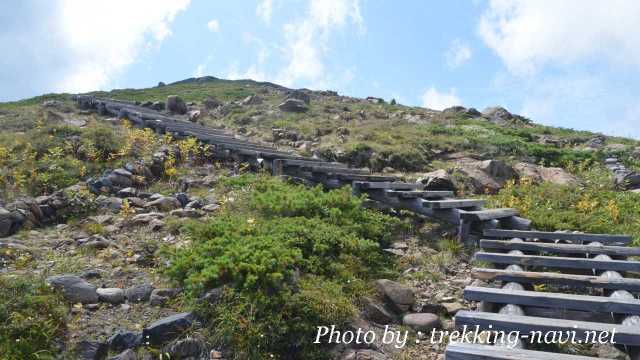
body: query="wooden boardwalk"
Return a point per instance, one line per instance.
(588, 286)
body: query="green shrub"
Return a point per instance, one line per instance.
(32, 319)
(281, 251)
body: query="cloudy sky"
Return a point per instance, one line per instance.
(570, 63)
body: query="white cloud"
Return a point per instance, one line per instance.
(213, 25)
(99, 48)
(264, 10)
(457, 54)
(307, 39)
(526, 35)
(433, 99)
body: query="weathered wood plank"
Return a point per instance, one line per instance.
(453, 203)
(527, 325)
(546, 235)
(531, 277)
(559, 262)
(424, 194)
(553, 300)
(369, 185)
(559, 248)
(462, 351)
(489, 214)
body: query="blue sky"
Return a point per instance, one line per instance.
(563, 63)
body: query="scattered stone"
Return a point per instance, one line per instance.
(157, 225)
(212, 296)
(125, 355)
(74, 289)
(123, 340)
(139, 293)
(176, 105)
(293, 105)
(159, 297)
(211, 103)
(539, 174)
(438, 180)
(127, 192)
(111, 295)
(211, 207)
(165, 203)
(423, 322)
(167, 329)
(94, 242)
(185, 213)
(299, 95)
(251, 100)
(186, 348)
(158, 106)
(91, 274)
(453, 307)
(91, 350)
(377, 313)
(143, 219)
(194, 115)
(398, 296)
(497, 114)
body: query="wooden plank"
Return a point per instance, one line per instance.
(559, 248)
(547, 235)
(489, 214)
(332, 170)
(559, 262)
(553, 300)
(356, 177)
(453, 203)
(527, 325)
(582, 281)
(462, 351)
(424, 194)
(288, 162)
(378, 185)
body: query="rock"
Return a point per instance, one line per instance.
(125, 355)
(364, 354)
(112, 204)
(438, 180)
(91, 274)
(123, 340)
(211, 103)
(539, 174)
(10, 222)
(597, 142)
(186, 213)
(453, 307)
(165, 203)
(377, 313)
(251, 100)
(626, 179)
(74, 289)
(176, 105)
(160, 296)
(120, 178)
(143, 219)
(194, 115)
(91, 350)
(423, 322)
(211, 207)
(111, 295)
(213, 296)
(157, 225)
(482, 177)
(613, 148)
(127, 192)
(293, 105)
(186, 348)
(161, 84)
(158, 106)
(167, 329)
(95, 242)
(398, 296)
(299, 95)
(497, 114)
(138, 293)
(461, 110)
(183, 199)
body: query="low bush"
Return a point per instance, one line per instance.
(290, 257)
(32, 318)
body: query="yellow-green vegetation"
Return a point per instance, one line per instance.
(593, 207)
(289, 257)
(32, 318)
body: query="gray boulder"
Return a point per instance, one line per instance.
(194, 115)
(91, 350)
(497, 114)
(293, 105)
(176, 105)
(252, 100)
(165, 203)
(438, 180)
(74, 289)
(10, 222)
(160, 296)
(167, 329)
(125, 355)
(138, 293)
(399, 297)
(377, 313)
(423, 322)
(123, 340)
(299, 95)
(111, 295)
(186, 348)
(211, 103)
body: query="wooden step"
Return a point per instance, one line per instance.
(589, 303)
(550, 278)
(289, 162)
(377, 185)
(559, 248)
(333, 170)
(528, 325)
(559, 262)
(453, 203)
(368, 178)
(546, 235)
(415, 194)
(489, 214)
(462, 351)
